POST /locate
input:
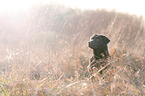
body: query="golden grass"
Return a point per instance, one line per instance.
(51, 58)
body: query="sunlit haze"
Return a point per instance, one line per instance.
(65, 47)
(14, 5)
(128, 6)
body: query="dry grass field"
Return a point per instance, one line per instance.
(44, 52)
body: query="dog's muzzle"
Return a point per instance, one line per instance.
(90, 43)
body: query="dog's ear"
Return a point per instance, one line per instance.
(105, 40)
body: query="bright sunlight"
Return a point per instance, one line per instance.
(16, 5)
(127, 6)
(44, 49)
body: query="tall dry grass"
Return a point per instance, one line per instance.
(44, 53)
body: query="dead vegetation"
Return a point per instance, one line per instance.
(46, 53)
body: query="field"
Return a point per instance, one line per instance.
(44, 52)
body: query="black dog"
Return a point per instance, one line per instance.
(100, 51)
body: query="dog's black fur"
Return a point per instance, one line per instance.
(100, 51)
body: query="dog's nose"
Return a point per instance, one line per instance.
(90, 43)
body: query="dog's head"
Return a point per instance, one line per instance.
(98, 41)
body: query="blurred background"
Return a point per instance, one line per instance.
(25, 21)
(43, 46)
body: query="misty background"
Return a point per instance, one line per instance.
(44, 50)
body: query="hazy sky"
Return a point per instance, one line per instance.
(130, 6)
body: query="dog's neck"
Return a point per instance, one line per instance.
(100, 54)
(97, 54)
